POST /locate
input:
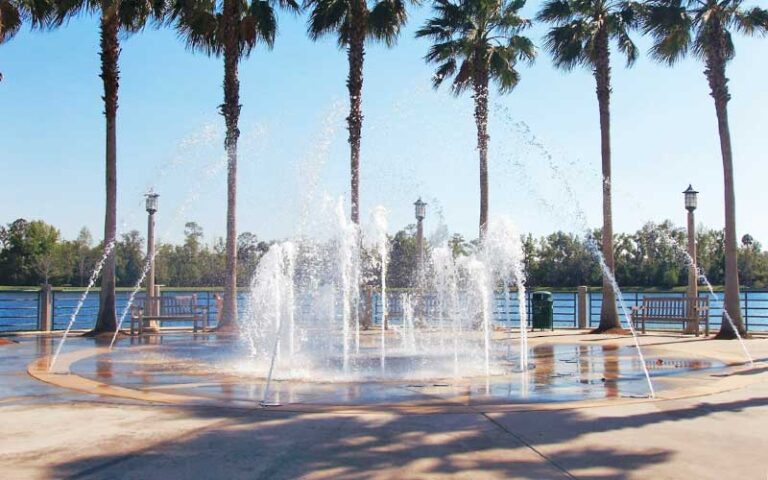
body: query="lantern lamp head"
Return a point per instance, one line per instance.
(690, 198)
(421, 209)
(151, 201)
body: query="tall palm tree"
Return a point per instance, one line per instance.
(229, 29)
(581, 36)
(704, 27)
(477, 41)
(117, 16)
(354, 21)
(13, 13)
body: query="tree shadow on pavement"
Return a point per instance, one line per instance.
(275, 445)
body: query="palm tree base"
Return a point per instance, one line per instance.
(730, 335)
(226, 328)
(611, 331)
(98, 333)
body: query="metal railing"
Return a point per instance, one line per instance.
(21, 309)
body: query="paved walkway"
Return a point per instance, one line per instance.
(52, 432)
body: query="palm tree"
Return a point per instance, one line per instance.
(117, 16)
(229, 28)
(581, 36)
(704, 27)
(14, 12)
(353, 21)
(477, 41)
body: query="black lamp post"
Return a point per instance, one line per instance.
(421, 212)
(690, 205)
(151, 207)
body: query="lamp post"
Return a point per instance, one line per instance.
(421, 212)
(747, 241)
(151, 206)
(690, 205)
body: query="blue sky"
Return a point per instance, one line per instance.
(416, 141)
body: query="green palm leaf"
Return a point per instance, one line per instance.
(13, 13)
(481, 35)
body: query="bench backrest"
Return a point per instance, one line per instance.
(675, 307)
(169, 306)
(182, 305)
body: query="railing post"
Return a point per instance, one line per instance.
(153, 305)
(528, 307)
(44, 313)
(746, 310)
(575, 309)
(582, 302)
(208, 307)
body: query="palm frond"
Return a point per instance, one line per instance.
(669, 24)
(556, 11)
(39, 13)
(502, 69)
(620, 23)
(259, 25)
(568, 45)
(580, 28)
(291, 6)
(752, 21)
(326, 17)
(441, 52)
(66, 9)
(434, 30)
(524, 48)
(385, 20)
(463, 78)
(480, 35)
(133, 15)
(199, 25)
(447, 69)
(11, 19)
(713, 38)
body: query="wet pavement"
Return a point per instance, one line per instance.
(55, 432)
(208, 366)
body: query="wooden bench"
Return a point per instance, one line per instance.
(688, 311)
(169, 309)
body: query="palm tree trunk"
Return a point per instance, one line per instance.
(481, 121)
(231, 112)
(609, 317)
(356, 55)
(110, 75)
(718, 84)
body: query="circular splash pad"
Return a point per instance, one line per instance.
(212, 369)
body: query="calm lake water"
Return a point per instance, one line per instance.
(19, 308)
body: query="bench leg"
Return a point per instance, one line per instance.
(643, 326)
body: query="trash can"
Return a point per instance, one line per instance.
(543, 315)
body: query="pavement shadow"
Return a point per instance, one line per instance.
(277, 445)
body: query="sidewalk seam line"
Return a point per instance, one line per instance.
(136, 453)
(529, 445)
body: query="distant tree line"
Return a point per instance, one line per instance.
(33, 253)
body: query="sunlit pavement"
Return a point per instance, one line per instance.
(709, 424)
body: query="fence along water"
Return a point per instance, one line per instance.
(21, 309)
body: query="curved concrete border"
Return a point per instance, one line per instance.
(64, 378)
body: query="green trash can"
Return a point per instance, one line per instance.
(543, 314)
